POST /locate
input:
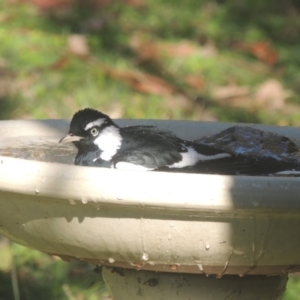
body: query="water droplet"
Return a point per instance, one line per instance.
(98, 207)
(169, 237)
(255, 203)
(111, 260)
(84, 200)
(199, 264)
(119, 197)
(138, 266)
(37, 190)
(207, 246)
(72, 202)
(145, 256)
(174, 267)
(43, 179)
(151, 263)
(172, 224)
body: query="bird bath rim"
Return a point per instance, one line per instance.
(83, 212)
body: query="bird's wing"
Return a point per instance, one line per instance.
(142, 158)
(156, 148)
(149, 147)
(248, 141)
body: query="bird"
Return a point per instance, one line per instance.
(102, 143)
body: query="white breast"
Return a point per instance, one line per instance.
(109, 141)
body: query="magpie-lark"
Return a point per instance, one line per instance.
(101, 143)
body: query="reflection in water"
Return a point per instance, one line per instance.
(34, 148)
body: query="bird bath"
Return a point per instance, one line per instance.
(241, 230)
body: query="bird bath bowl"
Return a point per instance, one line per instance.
(241, 230)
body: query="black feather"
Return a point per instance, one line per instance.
(250, 151)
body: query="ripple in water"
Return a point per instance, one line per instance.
(34, 148)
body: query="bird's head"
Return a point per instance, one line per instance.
(86, 125)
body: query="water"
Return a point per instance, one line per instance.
(84, 200)
(145, 256)
(200, 265)
(72, 202)
(40, 149)
(171, 224)
(255, 203)
(174, 266)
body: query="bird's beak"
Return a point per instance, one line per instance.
(70, 138)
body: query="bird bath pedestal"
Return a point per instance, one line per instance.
(158, 235)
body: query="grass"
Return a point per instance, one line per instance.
(144, 59)
(128, 43)
(41, 276)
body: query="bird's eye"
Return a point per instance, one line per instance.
(94, 131)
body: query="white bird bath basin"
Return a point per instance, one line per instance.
(185, 226)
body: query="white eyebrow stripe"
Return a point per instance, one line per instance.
(98, 122)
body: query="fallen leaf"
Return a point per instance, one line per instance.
(49, 4)
(115, 110)
(155, 50)
(142, 82)
(271, 94)
(61, 63)
(182, 49)
(145, 49)
(4, 17)
(262, 50)
(105, 3)
(135, 3)
(230, 91)
(77, 45)
(195, 82)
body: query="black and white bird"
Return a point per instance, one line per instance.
(101, 143)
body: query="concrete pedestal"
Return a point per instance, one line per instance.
(148, 285)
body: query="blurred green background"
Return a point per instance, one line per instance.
(196, 60)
